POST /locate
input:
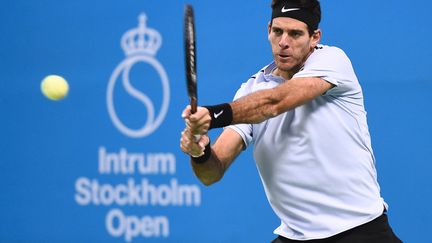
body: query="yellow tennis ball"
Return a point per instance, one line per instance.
(54, 87)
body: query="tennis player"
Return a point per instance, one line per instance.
(304, 115)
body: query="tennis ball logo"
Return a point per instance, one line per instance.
(140, 46)
(54, 87)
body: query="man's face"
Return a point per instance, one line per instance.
(291, 43)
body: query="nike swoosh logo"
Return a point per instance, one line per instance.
(216, 115)
(284, 10)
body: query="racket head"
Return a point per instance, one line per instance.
(190, 56)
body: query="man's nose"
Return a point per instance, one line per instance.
(284, 41)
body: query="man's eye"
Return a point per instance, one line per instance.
(277, 31)
(296, 34)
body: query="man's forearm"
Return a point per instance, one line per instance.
(223, 152)
(255, 108)
(264, 104)
(210, 171)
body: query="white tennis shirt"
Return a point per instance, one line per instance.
(316, 161)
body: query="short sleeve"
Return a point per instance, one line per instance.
(244, 130)
(332, 65)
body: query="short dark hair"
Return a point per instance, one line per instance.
(312, 5)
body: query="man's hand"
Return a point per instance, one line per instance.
(189, 145)
(199, 122)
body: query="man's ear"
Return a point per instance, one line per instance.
(269, 29)
(316, 37)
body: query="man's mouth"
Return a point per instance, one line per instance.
(284, 56)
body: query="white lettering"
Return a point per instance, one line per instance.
(131, 227)
(164, 195)
(189, 195)
(132, 193)
(95, 188)
(135, 192)
(83, 195)
(163, 163)
(125, 163)
(115, 217)
(121, 195)
(106, 194)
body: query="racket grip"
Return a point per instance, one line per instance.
(193, 104)
(197, 137)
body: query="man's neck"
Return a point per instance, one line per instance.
(287, 75)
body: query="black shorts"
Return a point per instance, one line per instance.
(376, 231)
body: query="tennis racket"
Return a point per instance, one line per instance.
(190, 59)
(190, 55)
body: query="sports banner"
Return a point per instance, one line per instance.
(103, 164)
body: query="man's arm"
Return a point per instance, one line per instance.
(261, 105)
(265, 104)
(223, 152)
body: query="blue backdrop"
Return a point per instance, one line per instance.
(104, 164)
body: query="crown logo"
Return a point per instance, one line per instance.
(141, 40)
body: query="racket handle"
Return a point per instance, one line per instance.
(197, 137)
(193, 104)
